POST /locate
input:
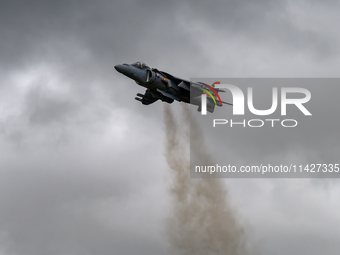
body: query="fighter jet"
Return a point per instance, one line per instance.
(167, 88)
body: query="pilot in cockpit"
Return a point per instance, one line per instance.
(141, 65)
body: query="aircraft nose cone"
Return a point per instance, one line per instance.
(121, 68)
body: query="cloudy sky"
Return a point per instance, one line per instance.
(82, 164)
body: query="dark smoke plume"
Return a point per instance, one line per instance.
(202, 220)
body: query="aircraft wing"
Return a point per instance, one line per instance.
(187, 89)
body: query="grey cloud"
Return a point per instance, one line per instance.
(83, 171)
(44, 109)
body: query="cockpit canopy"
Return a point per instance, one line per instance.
(140, 65)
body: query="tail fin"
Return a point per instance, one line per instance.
(216, 82)
(218, 90)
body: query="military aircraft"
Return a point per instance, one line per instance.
(167, 88)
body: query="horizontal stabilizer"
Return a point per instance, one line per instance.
(227, 103)
(219, 90)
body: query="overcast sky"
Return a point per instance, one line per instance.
(82, 166)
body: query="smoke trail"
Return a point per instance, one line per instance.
(202, 220)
